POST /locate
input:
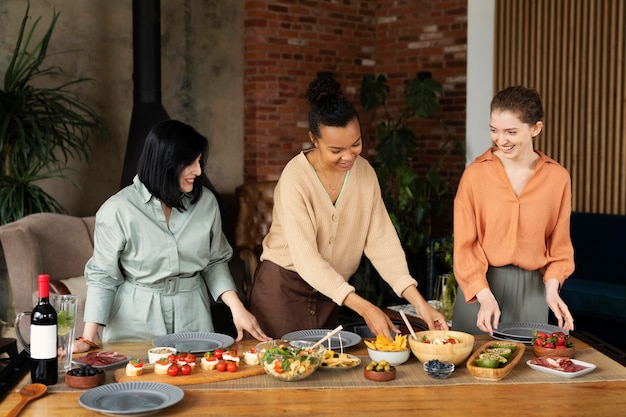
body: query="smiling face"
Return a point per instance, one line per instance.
(511, 135)
(188, 175)
(339, 146)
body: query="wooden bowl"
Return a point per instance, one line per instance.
(455, 353)
(84, 382)
(494, 374)
(542, 351)
(380, 376)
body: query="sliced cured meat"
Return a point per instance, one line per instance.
(558, 363)
(101, 358)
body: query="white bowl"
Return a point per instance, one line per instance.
(157, 353)
(394, 357)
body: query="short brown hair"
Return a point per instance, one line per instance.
(525, 102)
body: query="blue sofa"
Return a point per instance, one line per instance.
(596, 291)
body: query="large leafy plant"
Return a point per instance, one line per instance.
(41, 128)
(413, 198)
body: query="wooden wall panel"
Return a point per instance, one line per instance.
(572, 52)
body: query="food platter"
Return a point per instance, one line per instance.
(494, 374)
(194, 342)
(131, 398)
(588, 368)
(120, 360)
(348, 339)
(356, 361)
(523, 332)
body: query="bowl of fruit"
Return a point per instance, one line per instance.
(443, 345)
(379, 371)
(289, 360)
(552, 344)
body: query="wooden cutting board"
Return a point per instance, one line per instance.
(198, 376)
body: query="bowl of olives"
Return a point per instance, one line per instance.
(379, 371)
(85, 377)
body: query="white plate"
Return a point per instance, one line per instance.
(194, 342)
(131, 398)
(342, 368)
(589, 367)
(523, 332)
(347, 338)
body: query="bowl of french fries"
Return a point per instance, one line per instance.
(395, 351)
(443, 345)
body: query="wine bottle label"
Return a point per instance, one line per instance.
(43, 342)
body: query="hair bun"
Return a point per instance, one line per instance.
(322, 89)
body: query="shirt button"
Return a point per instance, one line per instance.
(331, 240)
(312, 312)
(335, 217)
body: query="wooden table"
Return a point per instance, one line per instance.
(574, 399)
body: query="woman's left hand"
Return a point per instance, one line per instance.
(433, 318)
(242, 318)
(557, 305)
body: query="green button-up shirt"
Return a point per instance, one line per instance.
(145, 279)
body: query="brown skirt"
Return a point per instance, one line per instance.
(283, 302)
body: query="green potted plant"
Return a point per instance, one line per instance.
(41, 128)
(413, 200)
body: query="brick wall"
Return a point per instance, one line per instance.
(286, 43)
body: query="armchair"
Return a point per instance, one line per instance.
(55, 244)
(255, 203)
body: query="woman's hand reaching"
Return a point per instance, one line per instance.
(557, 305)
(242, 318)
(489, 313)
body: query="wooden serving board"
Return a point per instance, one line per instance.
(198, 376)
(494, 374)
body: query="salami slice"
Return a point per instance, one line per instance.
(101, 359)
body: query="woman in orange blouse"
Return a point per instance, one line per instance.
(512, 246)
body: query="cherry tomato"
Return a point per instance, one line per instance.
(172, 357)
(231, 367)
(190, 358)
(221, 366)
(451, 340)
(172, 370)
(233, 351)
(218, 353)
(539, 342)
(185, 369)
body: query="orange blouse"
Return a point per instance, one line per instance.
(494, 227)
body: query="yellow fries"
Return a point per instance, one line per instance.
(383, 343)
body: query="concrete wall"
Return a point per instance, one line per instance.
(202, 58)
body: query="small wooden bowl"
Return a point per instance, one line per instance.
(85, 381)
(380, 376)
(542, 351)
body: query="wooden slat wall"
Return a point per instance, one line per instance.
(572, 52)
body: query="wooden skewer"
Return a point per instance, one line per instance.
(328, 336)
(408, 324)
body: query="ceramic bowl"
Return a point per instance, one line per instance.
(289, 360)
(542, 351)
(157, 353)
(456, 353)
(380, 376)
(394, 357)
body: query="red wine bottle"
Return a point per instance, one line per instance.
(44, 366)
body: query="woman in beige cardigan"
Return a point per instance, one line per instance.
(328, 211)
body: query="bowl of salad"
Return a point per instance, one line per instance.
(443, 345)
(289, 360)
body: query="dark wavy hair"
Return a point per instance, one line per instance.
(171, 146)
(329, 107)
(525, 102)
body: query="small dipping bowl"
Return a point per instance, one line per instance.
(157, 353)
(438, 370)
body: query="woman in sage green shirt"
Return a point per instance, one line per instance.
(159, 249)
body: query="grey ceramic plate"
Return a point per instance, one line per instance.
(131, 398)
(347, 338)
(194, 342)
(523, 332)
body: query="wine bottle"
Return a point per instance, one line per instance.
(43, 337)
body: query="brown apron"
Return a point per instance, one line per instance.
(283, 302)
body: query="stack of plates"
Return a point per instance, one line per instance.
(523, 332)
